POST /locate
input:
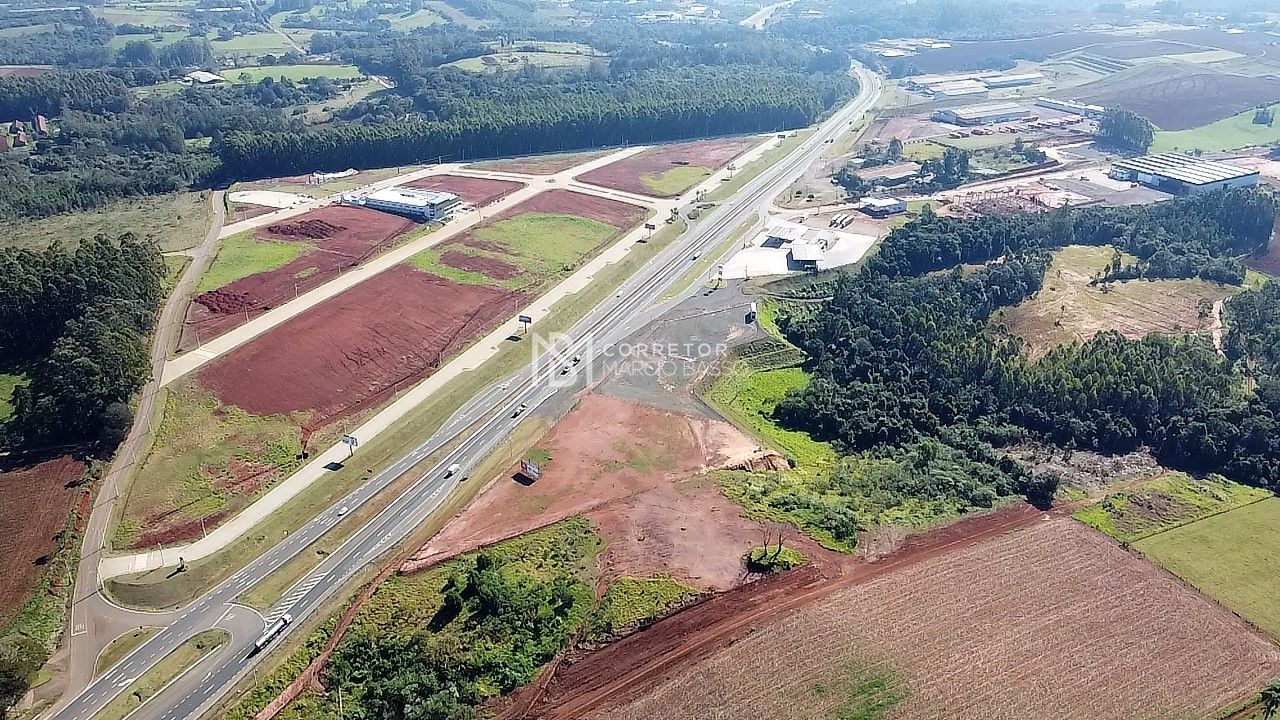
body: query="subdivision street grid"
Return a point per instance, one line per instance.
(490, 414)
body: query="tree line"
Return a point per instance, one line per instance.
(900, 357)
(76, 323)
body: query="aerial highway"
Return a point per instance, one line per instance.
(473, 432)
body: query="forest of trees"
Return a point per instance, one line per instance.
(76, 323)
(900, 357)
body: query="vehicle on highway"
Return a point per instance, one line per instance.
(343, 510)
(696, 255)
(577, 359)
(449, 471)
(519, 410)
(564, 370)
(271, 632)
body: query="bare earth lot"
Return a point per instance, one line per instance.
(1174, 98)
(1053, 621)
(626, 467)
(475, 191)
(341, 237)
(37, 501)
(668, 170)
(540, 164)
(350, 352)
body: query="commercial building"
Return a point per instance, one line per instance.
(883, 206)
(1182, 174)
(203, 77)
(889, 175)
(1013, 80)
(958, 88)
(1071, 106)
(982, 114)
(417, 204)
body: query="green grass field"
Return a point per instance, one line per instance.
(252, 44)
(545, 246)
(631, 601)
(422, 18)
(748, 398)
(123, 14)
(243, 255)
(8, 383)
(1164, 503)
(1230, 557)
(177, 221)
(921, 151)
(676, 180)
(188, 474)
(1237, 131)
(253, 74)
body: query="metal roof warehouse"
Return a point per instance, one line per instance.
(1183, 172)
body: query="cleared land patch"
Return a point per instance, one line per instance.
(1050, 621)
(1178, 97)
(1163, 503)
(476, 191)
(668, 170)
(37, 502)
(1231, 557)
(253, 273)
(254, 74)
(540, 164)
(1069, 309)
(176, 222)
(624, 466)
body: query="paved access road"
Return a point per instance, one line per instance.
(480, 425)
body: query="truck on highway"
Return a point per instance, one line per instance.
(452, 469)
(272, 631)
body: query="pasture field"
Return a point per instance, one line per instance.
(1176, 96)
(1237, 131)
(533, 244)
(1230, 557)
(176, 221)
(1164, 503)
(253, 74)
(1068, 309)
(1052, 620)
(124, 14)
(668, 170)
(420, 19)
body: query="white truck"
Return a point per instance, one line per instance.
(272, 631)
(452, 469)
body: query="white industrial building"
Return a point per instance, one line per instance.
(1071, 106)
(1183, 174)
(420, 205)
(1014, 80)
(958, 88)
(883, 206)
(988, 114)
(787, 247)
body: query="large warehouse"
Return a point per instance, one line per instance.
(416, 204)
(982, 114)
(1182, 174)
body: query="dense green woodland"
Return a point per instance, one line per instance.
(659, 83)
(77, 323)
(906, 359)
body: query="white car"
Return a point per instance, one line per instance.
(343, 510)
(519, 410)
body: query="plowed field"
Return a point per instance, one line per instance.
(36, 503)
(341, 238)
(1053, 621)
(668, 170)
(352, 351)
(476, 191)
(1174, 98)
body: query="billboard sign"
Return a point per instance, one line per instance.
(529, 470)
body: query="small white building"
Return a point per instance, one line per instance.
(420, 205)
(883, 206)
(203, 77)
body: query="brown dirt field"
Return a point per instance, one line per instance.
(624, 466)
(1175, 99)
(36, 504)
(343, 237)
(619, 214)
(25, 70)
(627, 174)
(1269, 263)
(540, 164)
(475, 191)
(352, 351)
(1051, 621)
(489, 267)
(247, 211)
(1135, 308)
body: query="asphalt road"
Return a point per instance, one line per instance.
(482, 424)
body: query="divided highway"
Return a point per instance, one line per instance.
(478, 428)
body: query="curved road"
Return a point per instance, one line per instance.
(492, 414)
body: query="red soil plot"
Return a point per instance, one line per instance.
(567, 202)
(621, 464)
(352, 351)
(540, 164)
(628, 174)
(36, 505)
(487, 266)
(1053, 621)
(342, 237)
(474, 191)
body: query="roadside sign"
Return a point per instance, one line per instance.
(529, 470)
(650, 226)
(350, 441)
(526, 319)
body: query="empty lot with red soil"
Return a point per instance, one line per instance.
(540, 164)
(619, 214)
(475, 191)
(341, 236)
(630, 174)
(37, 502)
(1050, 621)
(626, 467)
(350, 352)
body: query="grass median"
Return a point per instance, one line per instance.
(117, 649)
(160, 675)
